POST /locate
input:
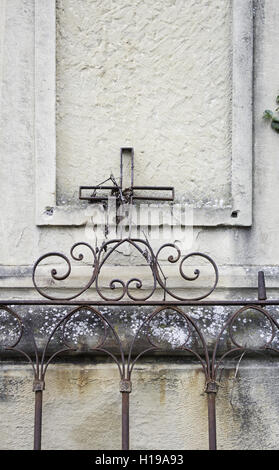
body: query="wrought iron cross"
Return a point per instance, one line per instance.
(124, 195)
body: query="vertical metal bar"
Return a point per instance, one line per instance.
(132, 168)
(38, 387)
(38, 419)
(211, 390)
(211, 397)
(125, 389)
(125, 421)
(261, 286)
(121, 168)
(124, 184)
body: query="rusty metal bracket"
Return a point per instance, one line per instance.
(38, 385)
(211, 387)
(125, 386)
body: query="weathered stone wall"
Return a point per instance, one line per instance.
(82, 407)
(167, 395)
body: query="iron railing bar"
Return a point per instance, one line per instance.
(38, 419)
(141, 303)
(125, 421)
(212, 431)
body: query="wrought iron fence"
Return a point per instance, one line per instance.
(194, 343)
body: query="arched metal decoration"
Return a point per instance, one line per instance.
(101, 256)
(122, 292)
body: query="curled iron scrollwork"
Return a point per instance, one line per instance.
(181, 259)
(56, 277)
(127, 288)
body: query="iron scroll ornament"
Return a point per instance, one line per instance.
(101, 255)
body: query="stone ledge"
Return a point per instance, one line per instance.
(230, 277)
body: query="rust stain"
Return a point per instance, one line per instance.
(82, 380)
(61, 378)
(162, 390)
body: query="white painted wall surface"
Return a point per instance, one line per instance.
(152, 75)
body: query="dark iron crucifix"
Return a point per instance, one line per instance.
(124, 195)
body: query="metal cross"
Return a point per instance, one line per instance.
(123, 194)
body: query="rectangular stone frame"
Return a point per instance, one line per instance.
(47, 210)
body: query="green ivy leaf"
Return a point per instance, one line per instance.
(275, 126)
(268, 114)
